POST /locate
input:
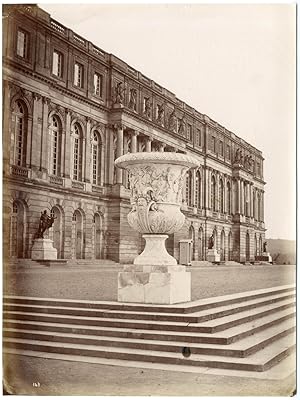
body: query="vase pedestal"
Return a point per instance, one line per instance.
(43, 249)
(213, 255)
(155, 277)
(264, 257)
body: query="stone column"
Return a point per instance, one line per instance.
(238, 197)
(251, 200)
(208, 188)
(193, 188)
(134, 141)
(263, 205)
(120, 135)
(7, 127)
(45, 135)
(218, 205)
(36, 133)
(149, 144)
(67, 164)
(83, 159)
(87, 169)
(242, 198)
(110, 154)
(225, 194)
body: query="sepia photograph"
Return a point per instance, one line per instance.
(149, 199)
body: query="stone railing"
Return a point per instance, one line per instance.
(56, 180)
(78, 185)
(19, 171)
(97, 189)
(58, 27)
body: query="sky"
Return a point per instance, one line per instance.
(234, 63)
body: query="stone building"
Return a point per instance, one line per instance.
(70, 109)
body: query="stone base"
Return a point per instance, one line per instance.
(213, 255)
(154, 285)
(155, 252)
(43, 249)
(264, 257)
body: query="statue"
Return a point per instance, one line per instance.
(211, 242)
(119, 93)
(172, 121)
(45, 223)
(265, 247)
(132, 99)
(182, 125)
(160, 113)
(147, 110)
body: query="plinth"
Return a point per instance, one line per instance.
(43, 249)
(264, 257)
(213, 255)
(155, 277)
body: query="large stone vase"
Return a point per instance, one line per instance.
(156, 182)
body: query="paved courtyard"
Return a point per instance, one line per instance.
(95, 283)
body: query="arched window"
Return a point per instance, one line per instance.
(188, 188)
(20, 133)
(198, 190)
(77, 153)
(221, 196)
(96, 159)
(228, 198)
(213, 194)
(55, 146)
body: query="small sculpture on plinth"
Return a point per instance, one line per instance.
(211, 242)
(46, 222)
(42, 248)
(265, 247)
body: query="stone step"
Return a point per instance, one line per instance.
(183, 308)
(228, 336)
(244, 348)
(195, 317)
(240, 317)
(260, 361)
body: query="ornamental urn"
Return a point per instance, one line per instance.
(156, 182)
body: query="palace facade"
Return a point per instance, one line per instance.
(69, 110)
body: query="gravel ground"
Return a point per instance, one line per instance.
(75, 378)
(94, 283)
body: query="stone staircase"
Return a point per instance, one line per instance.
(250, 331)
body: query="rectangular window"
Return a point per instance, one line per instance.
(213, 144)
(22, 44)
(98, 84)
(258, 169)
(78, 75)
(228, 152)
(189, 131)
(57, 64)
(221, 148)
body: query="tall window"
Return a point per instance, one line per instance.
(199, 136)
(188, 188)
(221, 195)
(97, 84)
(20, 133)
(228, 152)
(213, 144)
(57, 64)
(54, 131)
(213, 194)
(78, 75)
(96, 158)
(198, 190)
(221, 148)
(189, 131)
(77, 153)
(22, 44)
